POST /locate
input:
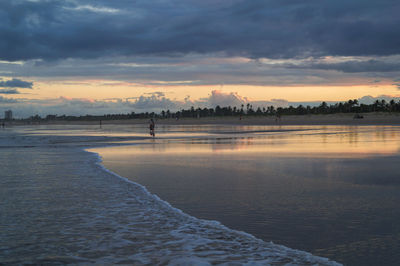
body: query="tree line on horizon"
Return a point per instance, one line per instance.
(351, 106)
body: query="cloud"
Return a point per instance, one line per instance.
(52, 30)
(368, 99)
(155, 101)
(353, 66)
(203, 70)
(94, 9)
(4, 100)
(225, 99)
(156, 94)
(9, 91)
(16, 83)
(149, 102)
(272, 102)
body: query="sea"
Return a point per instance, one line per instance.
(199, 195)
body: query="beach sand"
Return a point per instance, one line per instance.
(329, 119)
(335, 119)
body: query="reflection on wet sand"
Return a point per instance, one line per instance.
(331, 190)
(338, 142)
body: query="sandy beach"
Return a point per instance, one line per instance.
(329, 119)
(335, 119)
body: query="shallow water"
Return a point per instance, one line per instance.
(331, 190)
(59, 206)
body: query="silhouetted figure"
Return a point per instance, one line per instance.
(278, 118)
(3, 125)
(152, 126)
(100, 123)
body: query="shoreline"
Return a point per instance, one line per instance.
(241, 230)
(262, 245)
(136, 206)
(320, 119)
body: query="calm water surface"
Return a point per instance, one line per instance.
(332, 190)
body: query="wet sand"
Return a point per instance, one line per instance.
(330, 119)
(328, 190)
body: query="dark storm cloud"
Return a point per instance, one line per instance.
(53, 30)
(16, 83)
(9, 91)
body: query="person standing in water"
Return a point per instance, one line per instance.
(152, 126)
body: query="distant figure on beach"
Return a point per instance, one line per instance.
(152, 126)
(100, 123)
(278, 118)
(3, 125)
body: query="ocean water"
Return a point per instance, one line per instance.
(333, 191)
(59, 205)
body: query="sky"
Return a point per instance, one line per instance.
(100, 56)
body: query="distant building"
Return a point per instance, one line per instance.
(8, 115)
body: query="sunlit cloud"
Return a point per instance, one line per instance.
(93, 9)
(12, 62)
(154, 101)
(149, 102)
(225, 99)
(173, 82)
(139, 65)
